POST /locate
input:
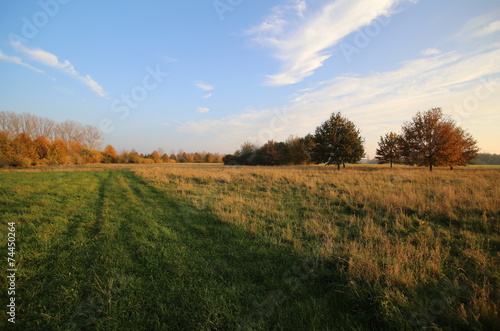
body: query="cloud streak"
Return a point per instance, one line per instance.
(203, 109)
(51, 60)
(382, 101)
(17, 60)
(204, 87)
(302, 39)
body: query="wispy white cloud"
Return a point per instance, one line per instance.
(430, 51)
(206, 96)
(203, 86)
(302, 40)
(52, 60)
(94, 86)
(229, 128)
(203, 109)
(382, 101)
(17, 60)
(481, 26)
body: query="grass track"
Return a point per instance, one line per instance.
(105, 250)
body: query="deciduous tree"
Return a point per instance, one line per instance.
(433, 139)
(389, 149)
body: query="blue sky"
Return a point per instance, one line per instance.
(209, 75)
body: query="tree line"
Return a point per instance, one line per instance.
(28, 140)
(486, 159)
(336, 141)
(430, 139)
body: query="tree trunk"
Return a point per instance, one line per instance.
(451, 167)
(430, 167)
(391, 164)
(338, 166)
(343, 165)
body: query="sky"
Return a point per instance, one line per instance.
(208, 75)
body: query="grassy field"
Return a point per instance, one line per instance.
(201, 247)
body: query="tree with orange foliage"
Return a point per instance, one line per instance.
(6, 149)
(156, 157)
(109, 155)
(42, 147)
(432, 139)
(58, 152)
(24, 150)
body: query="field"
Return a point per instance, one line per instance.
(200, 247)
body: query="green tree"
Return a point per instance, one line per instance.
(389, 149)
(338, 141)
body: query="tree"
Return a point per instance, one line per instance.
(433, 139)
(389, 149)
(6, 149)
(156, 157)
(247, 153)
(338, 141)
(110, 155)
(164, 158)
(91, 137)
(24, 150)
(58, 152)
(275, 153)
(297, 152)
(134, 157)
(42, 147)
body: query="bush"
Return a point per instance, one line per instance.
(21, 161)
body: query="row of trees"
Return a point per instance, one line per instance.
(158, 156)
(14, 124)
(430, 139)
(335, 141)
(486, 159)
(27, 140)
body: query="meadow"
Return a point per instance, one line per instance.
(212, 247)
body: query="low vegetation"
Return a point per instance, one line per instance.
(213, 247)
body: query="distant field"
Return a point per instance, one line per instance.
(254, 248)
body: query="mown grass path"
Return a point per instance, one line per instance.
(105, 250)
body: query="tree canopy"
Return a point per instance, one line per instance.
(338, 141)
(433, 139)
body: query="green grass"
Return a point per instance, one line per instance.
(105, 250)
(216, 248)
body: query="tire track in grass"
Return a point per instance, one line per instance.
(127, 255)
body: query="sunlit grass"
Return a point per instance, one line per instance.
(214, 247)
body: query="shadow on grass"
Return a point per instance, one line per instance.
(133, 257)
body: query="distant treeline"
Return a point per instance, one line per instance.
(486, 159)
(430, 139)
(28, 140)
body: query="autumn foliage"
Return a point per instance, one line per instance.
(430, 139)
(28, 140)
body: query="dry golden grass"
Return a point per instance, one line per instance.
(416, 249)
(397, 236)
